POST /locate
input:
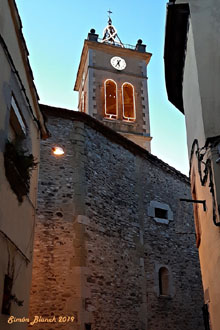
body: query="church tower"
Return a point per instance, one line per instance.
(112, 84)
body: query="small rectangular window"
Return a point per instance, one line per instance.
(88, 326)
(161, 213)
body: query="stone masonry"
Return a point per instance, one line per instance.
(100, 242)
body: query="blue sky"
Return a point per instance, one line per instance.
(55, 31)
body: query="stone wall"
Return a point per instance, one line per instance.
(99, 246)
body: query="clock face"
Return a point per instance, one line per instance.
(118, 63)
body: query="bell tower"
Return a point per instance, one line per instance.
(112, 84)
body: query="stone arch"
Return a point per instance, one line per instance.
(111, 99)
(128, 102)
(164, 281)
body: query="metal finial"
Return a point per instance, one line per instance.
(109, 18)
(110, 33)
(109, 13)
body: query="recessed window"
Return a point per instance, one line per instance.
(88, 326)
(128, 102)
(161, 213)
(111, 107)
(163, 281)
(59, 214)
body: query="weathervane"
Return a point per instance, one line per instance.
(110, 33)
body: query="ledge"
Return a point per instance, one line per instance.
(163, 221)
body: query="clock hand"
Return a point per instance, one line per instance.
(118, 62)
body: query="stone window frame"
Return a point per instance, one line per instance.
(171, 288)
(119, 102)
(151, 212)
(164, 281)
(130, 119)
(107, 115)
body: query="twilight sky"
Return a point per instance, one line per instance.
(55, 30)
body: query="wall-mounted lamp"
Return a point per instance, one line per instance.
(58, 151)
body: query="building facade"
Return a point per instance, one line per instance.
(115, 247)
(192, 79)
(21, 127)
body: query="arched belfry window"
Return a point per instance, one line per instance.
(111, 106)
(128, 101)
(164, 281)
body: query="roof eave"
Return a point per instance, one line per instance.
(177, 23)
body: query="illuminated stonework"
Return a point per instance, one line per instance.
(105, 250)
(114, 80)
(112, 102)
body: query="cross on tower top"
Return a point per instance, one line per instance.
(109, 13)
(109, 18)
